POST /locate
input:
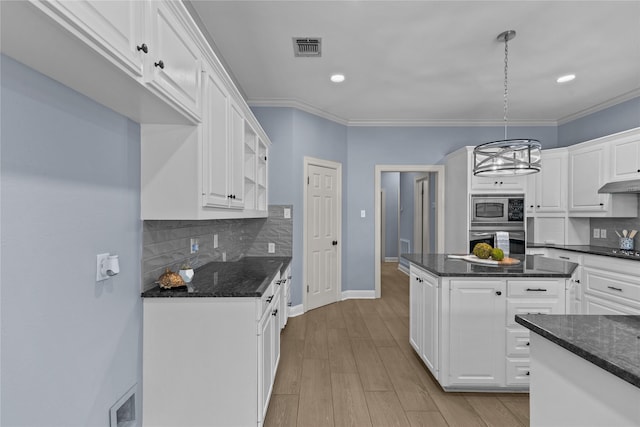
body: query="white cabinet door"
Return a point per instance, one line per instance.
(416, 309)
(586, 176)
(477, 332)
(214, 145)
(625, 162)
(174, 60)
(115, 27)
(500, 184)
(236, 156)
(551, 182)
(430, 324)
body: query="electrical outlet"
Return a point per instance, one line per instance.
(101, 274)
(363, 213)
(224, 257)
(272, 248)
(215, 241)
(603, 233)
(287, 213)
(195, 247)
(596, 233)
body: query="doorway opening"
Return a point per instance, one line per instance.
(419, 220)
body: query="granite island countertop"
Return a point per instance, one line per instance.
(247, 277)
(587, 249)
(530, 266)
(610, 342)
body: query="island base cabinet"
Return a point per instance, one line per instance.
(476, 333)
(568, 391)
(201, 358)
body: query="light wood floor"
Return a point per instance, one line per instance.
(351, 364)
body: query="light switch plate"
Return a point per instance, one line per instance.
(596, 233)
(272, 248)
(363, 213)
(287, 213)
(215, 241)
(603, 233)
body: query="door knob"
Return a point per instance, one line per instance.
(334, 243)
(498, 292)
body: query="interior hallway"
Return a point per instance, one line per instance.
(350, 364)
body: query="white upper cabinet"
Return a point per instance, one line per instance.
(625, 157)
(547, 189)
(174, 59)
(589, 165)
(116, 28)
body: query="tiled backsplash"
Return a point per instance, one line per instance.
(167, 243)
(613, 224)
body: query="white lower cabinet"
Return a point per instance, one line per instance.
(210, 361)
(424, 317)
(476, 333)
(465, 332)
(611, 286)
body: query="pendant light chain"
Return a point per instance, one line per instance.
(506, 90)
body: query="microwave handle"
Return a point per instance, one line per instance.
(478, 234)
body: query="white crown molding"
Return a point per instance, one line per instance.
(599, 107)
(293, 103)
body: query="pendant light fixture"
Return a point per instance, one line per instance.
(507, 156)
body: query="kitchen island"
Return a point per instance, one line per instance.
(211, 349)
(589, 363)
(462, 317)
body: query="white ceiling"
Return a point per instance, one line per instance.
(431, 62)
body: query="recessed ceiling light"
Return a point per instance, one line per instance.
(337, 78)
(566, 78)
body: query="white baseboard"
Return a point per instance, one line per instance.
(404, 269)
(296, 310)
(391, 259)
(358, 295)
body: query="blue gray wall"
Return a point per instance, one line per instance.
(390, 183)
(70, 173)
(614, 119)
(296, 134)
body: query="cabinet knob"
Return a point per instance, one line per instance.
(577, 280)
(289, 304)
(500, 182)
(274, 312)
(498, 292)
(159, 64)
(334, 243)
(531, 206)
(528, 373)
(537, 206)
(528, 344)
(601, 204)
(269, 298)
(143, 47)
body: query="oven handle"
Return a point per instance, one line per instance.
(480, 234)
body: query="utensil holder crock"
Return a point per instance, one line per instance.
(626, 243)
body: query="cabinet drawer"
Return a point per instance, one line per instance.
(532, 288)
(531, 307)
(518, 371)
(566, 256)
(619, 285)
(266, 301)
(518, 342)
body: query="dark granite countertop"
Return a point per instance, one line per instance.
(586, 249)
(609, 342)
(531, 266)
(248, 277)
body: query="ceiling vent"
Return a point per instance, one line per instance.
(309, 47)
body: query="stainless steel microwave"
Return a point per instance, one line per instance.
(497, 209)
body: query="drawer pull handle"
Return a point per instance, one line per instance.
(614, 288)
(278, 282)
(269, 299)
(289, 304)
(528, 373)
(536, 290)
(563, 257)
(577, 280)
(275, 312)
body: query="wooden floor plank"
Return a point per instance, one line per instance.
(283, 411)
(411, 392)
(519, 406)
(426, 419)
(341, 358)
(315, 406)
(371, 369)
(315, 343)
(385, 409)
(335, 318)
(456, 411)
(290, 368)
(492, 411)
(296, 328)
(378, 331)
(355, 324)
(349, 402)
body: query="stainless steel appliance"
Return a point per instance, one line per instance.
(492, 213)
(497, 210)
(516, 239)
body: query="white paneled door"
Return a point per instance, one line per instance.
(322, 235)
